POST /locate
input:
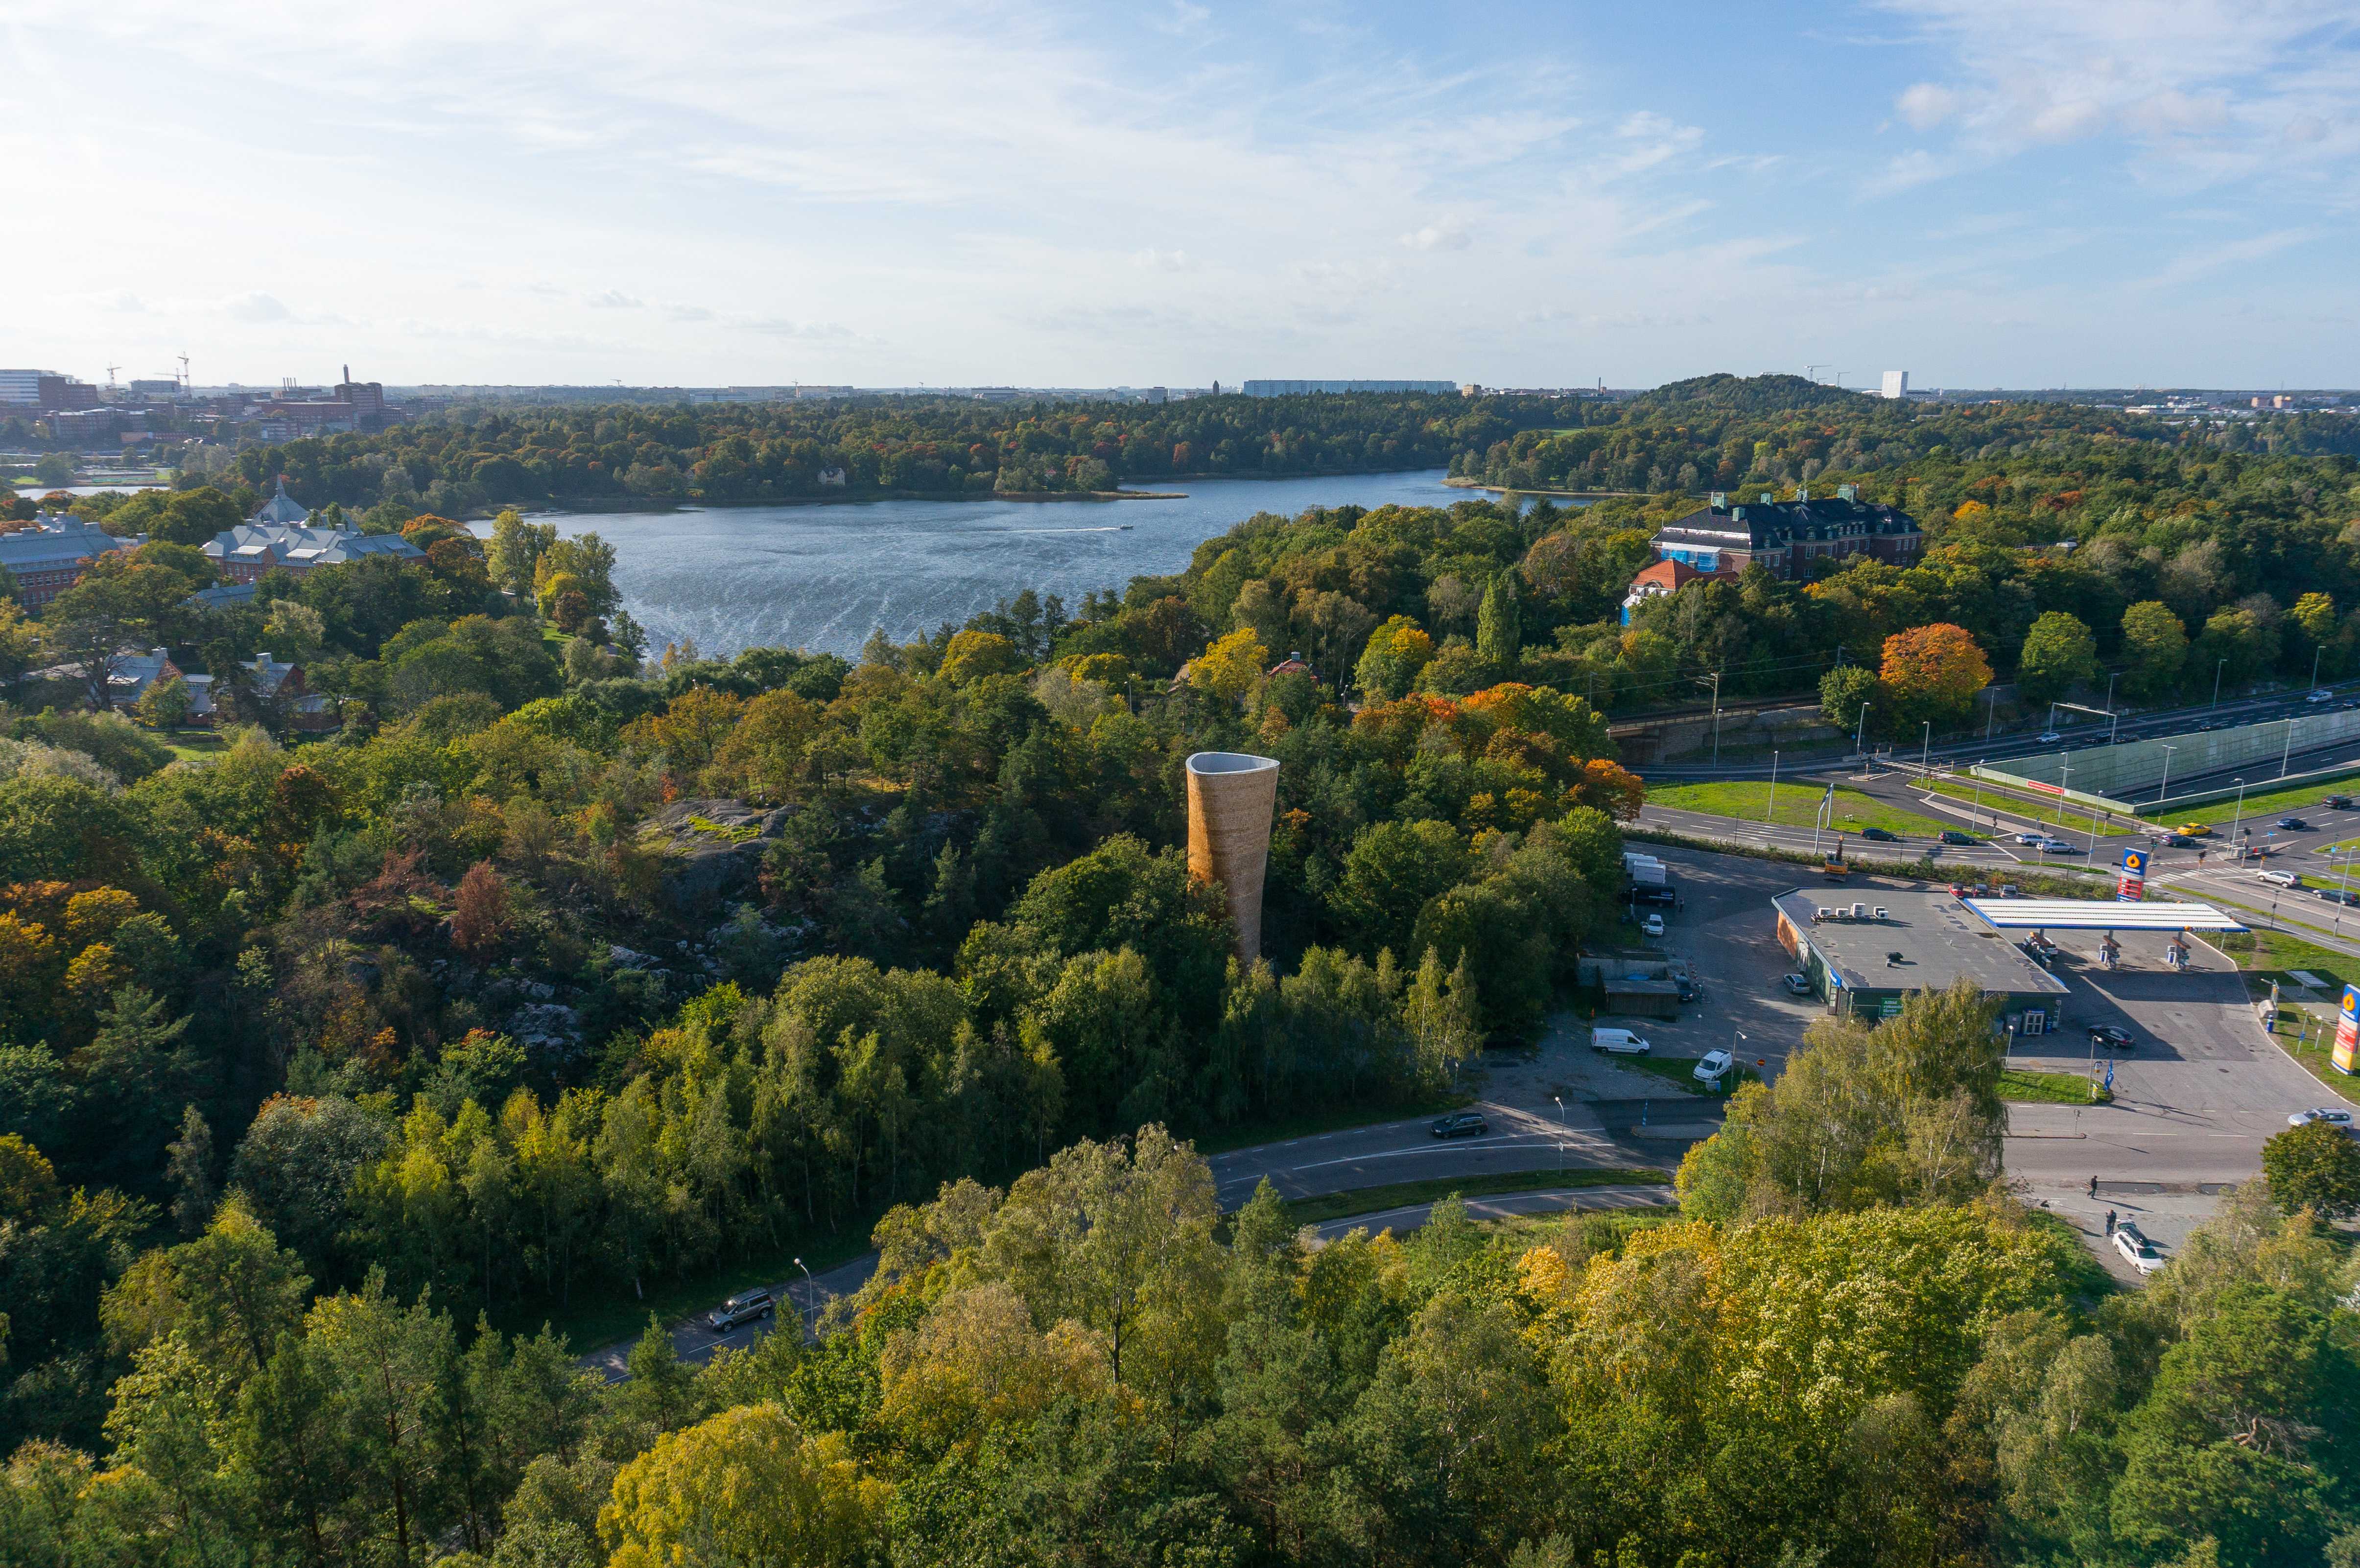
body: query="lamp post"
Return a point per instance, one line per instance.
(2064, 779)
(1858, 734)
(811, 1288)
(2163, 791)
(2314, 665)
(2237, 816)
(1770, 815)
(1991, 709)
(2288, 752)
(2216, 682)
(1925, 750)
(1560, 1129)
(1714, 681)
(1979, 794)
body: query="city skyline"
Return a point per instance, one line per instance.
(1984, 191)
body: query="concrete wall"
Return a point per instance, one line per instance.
(1231, 798)
(2108, 772)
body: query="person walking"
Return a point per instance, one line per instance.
(2093, 1186)
(2110, 1222)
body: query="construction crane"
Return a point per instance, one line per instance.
(184, 372)
(1811, 372)
(110, 376)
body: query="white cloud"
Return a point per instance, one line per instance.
(1926, 105)
(614, 299)
(255, 307)
(780, 327)
(688, 314)
(1449, 235)
(1154, 260)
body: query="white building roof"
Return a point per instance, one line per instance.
(2086, 914)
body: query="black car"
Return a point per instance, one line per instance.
(1880, 835)
(1953, 836)
(2337, 803)
(2109, 1038)
(2339, 896)
(2293, 824)
(1461, 1123)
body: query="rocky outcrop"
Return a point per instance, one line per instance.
(713, 850)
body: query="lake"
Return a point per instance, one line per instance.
(823, 577)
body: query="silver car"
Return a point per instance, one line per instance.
(746, 1306)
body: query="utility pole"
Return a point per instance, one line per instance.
(2289, 751)
(2314, 652)
(1991, 709)
(1714, 681)
(1770, 816)
(1926, 750)
(2237, 817)
(2064, 778)
(1857, 735)
(2216, 682)
(2163, 791)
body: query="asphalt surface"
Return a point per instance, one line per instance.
(1554, 1202)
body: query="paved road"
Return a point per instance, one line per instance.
(1557, 1201)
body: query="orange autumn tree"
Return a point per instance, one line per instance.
(1933, 673)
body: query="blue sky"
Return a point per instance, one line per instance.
(1983, 192)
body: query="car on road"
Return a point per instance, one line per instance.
(1460, 1124)
(1652, 926)
(1797, 984)
(2058, 847)
(2321, 697)
(745, 1306)
(1712, 1067)
(1880, 835)
(2031, 837)
(1688, 989)
(2109, 1038)
(1620, 1042)
(2175, 840)
(2277, 879)
(2293, 824)
(2333, 1116)
(2137, 1249)
(2049, 737)
(1953, 836)
(2195, 830)
(2337, 803)
(2338, 896)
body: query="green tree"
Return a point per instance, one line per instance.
(2058, 652)
(2157, 646)
(1499, 631)
(2315, 1166)
(1844, 690)
(190, 1171)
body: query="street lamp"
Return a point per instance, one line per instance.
(2216, 682)
(2314, 665)
(1560, 1130)
(1991, 709)
(2289, 751)
(811, 1287)
(1860, 732)
(2237, 816)
(1770, 816)
(1714, 681)
(1925, 751)
(2163, 791)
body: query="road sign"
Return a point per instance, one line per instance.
(2130, 882)
(2347, 1031)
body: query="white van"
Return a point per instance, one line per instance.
(2278, 879)
(1619, 1042)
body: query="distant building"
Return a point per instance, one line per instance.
(45, 390)
(49, 556)
(1293, 665)
(279, 537)
(1663, 578)
(834, 478)
(1900, 941)
(1299, 388)
(1787, 536)
(1896, 384)
(270, 680)
(135, 673)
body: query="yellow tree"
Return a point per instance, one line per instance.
(1934, 672)
(750, 1487)
(1232, 668)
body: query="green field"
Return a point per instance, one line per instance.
(2268, 806)
(2075, 823)
(2022, 1085)
(1749, 800)
(2268, 956)
(188, 745)
(1401, 1194)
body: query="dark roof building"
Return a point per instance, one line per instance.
(1864, 949)
(48, 557)
(1785, 537)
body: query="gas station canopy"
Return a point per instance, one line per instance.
(2086, 914)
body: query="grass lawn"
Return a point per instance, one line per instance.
(1748, 799)
(2268, 956)
(2277, 803)
(2306, 1030)
(2052, 1088)
(189, 745)
(1401, 1194)
(2076, 824)
(1681, 1070)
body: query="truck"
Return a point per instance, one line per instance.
(1649, 875)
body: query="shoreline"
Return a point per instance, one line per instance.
(1568, 494)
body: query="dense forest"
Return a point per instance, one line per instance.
(496, 971)
(474, 456)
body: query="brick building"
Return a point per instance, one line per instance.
(48, 557)
(1785, 537)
